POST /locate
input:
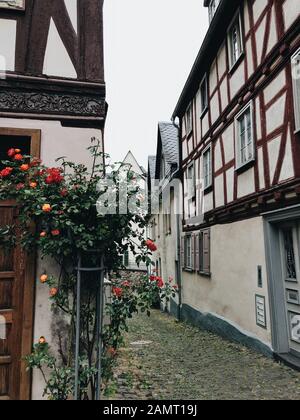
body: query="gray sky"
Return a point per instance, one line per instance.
(150, 47)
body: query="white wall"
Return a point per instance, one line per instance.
(237, 250)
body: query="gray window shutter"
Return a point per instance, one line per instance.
(193, 252)
(182, 252)
(206, 251)
(197, 252)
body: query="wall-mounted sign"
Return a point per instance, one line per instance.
(12, 4)
(260, 304)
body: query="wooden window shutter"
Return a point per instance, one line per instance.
(206, 251)
(193, 252)
(182, 252)
(197, 252)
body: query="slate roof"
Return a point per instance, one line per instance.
(170, 142)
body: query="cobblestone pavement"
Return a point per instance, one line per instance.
(165, 359)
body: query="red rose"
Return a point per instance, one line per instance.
(153, 278)
(160, 282)
(6, 172)
(117, 291)
(11, 153)
(54, 176)
(55, 232)
(64, 192)
(20, 186)
(151, 245)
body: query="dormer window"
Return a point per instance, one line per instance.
(212, 8)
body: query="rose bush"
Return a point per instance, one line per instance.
(58, 217)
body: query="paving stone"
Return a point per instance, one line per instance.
(184, 362)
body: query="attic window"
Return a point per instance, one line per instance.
(212, 8)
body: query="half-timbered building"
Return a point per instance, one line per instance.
(165, 200)
(239, 119)
(52, 101)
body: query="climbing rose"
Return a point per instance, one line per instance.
(33, 185)
(64, 192)
(18, 157)
(20, 186)
(24, 168)
(6, 172)
(43, 234)
(153, 278)
(160, 282)
(126, 284)
(44, 278)
(55, 232)
(151, 245)
(47, 208)
(117, 291)
(42, 340)
(11, 153)
(35, 162)
(53, 291)
(54, 176)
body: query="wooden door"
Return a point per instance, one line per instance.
(17, 279)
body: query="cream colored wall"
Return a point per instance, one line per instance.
(8, 30)
(56, 141)
(237, 250)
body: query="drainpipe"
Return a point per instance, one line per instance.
(177, 174)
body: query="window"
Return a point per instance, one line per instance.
(245, 137)
(205, 252)
(189, 120)
(204, 95)
(296, 87)
(207, 168)
(191, 181)
(212, 8)
(235, 41)
(188, 252)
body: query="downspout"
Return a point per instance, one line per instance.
(177, 174)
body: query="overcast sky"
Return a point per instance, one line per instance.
(150, 47)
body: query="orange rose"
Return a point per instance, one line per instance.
(17, 151)
(33, 185)
(24, 168)
(53, 291)
(47, 208)
(18, 157)
(42, 340)
(44, 278)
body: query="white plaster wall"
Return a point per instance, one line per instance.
(57, 61)
(8, 30)
(219, 191)
(230, 292)
(291, 11)
(237, 79)
(275, 114)
(246, 184)
(258, 8)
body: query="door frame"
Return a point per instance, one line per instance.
(29, 271)
(279, 327)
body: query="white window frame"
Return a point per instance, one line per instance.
(296, 88)
(189, 119)
(207, 178)
(250, 147)
(212, 10)
(191, 182)
(204, 107)
(237, 22)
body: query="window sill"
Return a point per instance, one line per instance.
(188, 270)
(245, 167)
(204, 274)
(234, 66)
